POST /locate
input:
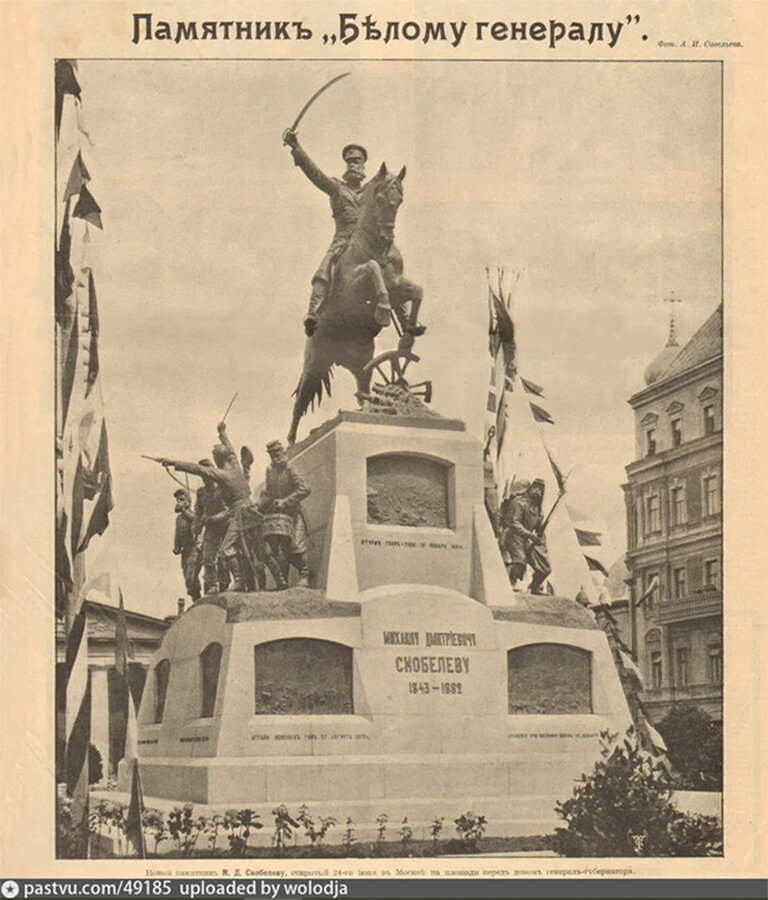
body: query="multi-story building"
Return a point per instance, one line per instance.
(673, 501)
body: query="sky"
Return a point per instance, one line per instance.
(598, 182)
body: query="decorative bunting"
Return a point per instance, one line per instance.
(87, 208)
(595, 565)
(532, 388)
(66, 83)
(541, 415)
(587, 538)
(77, 177)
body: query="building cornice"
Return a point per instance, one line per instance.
(660, 389)
(665, 457)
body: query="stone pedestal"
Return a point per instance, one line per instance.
(411, 680)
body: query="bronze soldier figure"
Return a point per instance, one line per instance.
(345, 194)
(184, 542)
(280, 502)
(523, 540)
(236, 493)
(211, 522)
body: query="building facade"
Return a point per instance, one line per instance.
(673, 502)
(108, 723)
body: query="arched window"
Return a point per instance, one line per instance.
(302, 676)
(549, 678)
(162, 674)
(210, 662)
(407, 489)
(653, 657)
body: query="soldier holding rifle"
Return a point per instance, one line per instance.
(523, 540)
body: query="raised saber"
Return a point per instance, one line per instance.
(311, 101)
(224, 417)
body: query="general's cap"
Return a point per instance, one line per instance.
(274, 446)
(350, 147)
(537, 482)
(181, 493)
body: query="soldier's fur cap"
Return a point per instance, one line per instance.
(181, 493)
(274, 446)
(349, 147)
(537, 481)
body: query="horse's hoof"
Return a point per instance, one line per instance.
(415, 330)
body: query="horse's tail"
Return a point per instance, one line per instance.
(312, 386)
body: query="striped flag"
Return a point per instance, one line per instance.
(83, 477)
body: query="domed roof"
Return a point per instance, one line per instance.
(664, 360)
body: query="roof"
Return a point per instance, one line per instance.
(706, 344)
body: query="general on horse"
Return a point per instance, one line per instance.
(360, 284)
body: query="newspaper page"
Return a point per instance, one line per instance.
(500, 500)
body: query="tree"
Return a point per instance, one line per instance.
(695, 747)
(623, 808)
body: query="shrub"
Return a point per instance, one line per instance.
(406, 834)
(316, 834)
(695, 747)
(623, 809)
(470, 829)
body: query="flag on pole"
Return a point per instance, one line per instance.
(134, 833)
(83, 478)
(649, 591)
(133, 830)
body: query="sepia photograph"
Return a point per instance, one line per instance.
(389, 459)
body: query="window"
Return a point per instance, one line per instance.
(650, 441)
(656, 669)
(682, 661)
(210, 662)
(712, 573)
(677, 432)
(715, 664)
(709, 419)
(679, 579)
(678, 505)
(652, 514)
(711, 495)
(162, 673)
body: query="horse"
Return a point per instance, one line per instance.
(366, 288)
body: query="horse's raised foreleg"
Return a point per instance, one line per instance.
(369, 276)
(405, 292)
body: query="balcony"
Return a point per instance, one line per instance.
(707, 602)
